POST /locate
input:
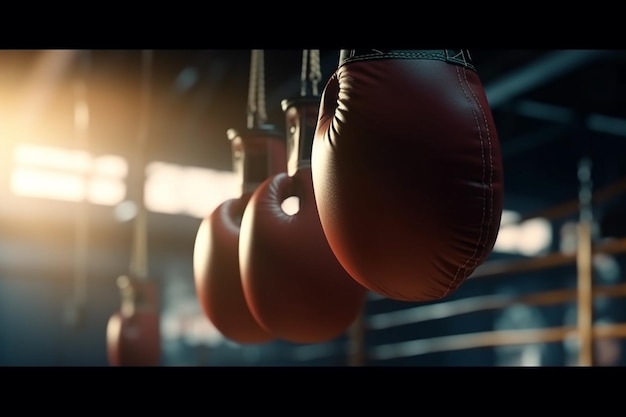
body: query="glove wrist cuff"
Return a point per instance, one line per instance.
(453, 56)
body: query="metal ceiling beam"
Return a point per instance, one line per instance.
(550, 67)
(530, 141)
(547, 68)
(559, 114)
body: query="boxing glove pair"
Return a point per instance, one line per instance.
(400, 192)
(257, 154)
(262, 273)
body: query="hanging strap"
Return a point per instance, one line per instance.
(139, 255)
(257, 114)
(311, 72)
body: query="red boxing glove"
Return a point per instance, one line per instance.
(293, 283)
(407, 170)
(133, 333)
(257, 154)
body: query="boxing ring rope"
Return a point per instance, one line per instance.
(491, 339)
(552, 260)
(583, 294)
(485, 303)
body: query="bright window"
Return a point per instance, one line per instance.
(73, 175)
(528, 238)
(69, 175)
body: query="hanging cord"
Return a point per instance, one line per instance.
(311, 72)
(81, 132)
(139, 255)
(257, 114)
